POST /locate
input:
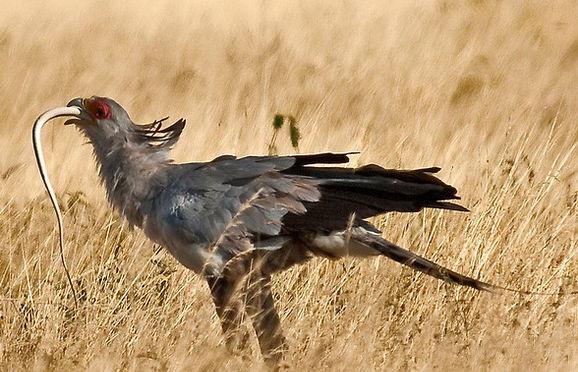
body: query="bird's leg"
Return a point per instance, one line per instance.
(246, 283)
(260, 307)
(230, 311)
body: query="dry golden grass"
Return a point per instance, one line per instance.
(485, 89)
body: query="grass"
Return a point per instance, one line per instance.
(486, 90)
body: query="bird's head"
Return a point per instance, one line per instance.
(102, 120)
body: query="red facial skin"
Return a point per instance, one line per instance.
(97, 107)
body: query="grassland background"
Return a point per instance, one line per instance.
(485, 89)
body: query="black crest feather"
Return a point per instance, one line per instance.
(157, 137)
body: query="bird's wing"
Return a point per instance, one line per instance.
(236, 205)
(369, 191)
(215, 192)
(233, 205)
(257, 223)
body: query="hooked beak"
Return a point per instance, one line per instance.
(83, 116)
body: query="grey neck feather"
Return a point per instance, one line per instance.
(128, 171)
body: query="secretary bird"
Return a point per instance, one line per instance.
(236, 221)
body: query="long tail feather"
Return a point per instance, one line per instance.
(446, 205)
(419, 263)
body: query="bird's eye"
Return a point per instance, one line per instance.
(101, 110)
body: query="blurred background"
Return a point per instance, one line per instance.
(484, 89)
